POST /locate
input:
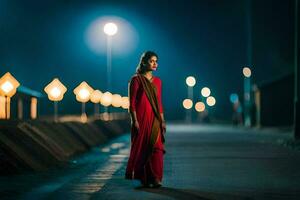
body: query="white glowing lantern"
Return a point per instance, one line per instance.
(125, 102)
(83, 92)
(190, 81)
(106, 99)
(55, 90)
(205, 92)
(116, 100)
(8, 85)
(211, 101)
(96, 96)
(247, 72)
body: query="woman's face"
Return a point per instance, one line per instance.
(152, 64)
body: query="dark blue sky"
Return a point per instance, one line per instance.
(41, 40)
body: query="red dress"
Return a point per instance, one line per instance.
(141, 165)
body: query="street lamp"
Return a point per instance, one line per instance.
(190, 81)
(96, 98)
(83, 92)
(211, 101)
(116, 100)
(187, 104)
(205, 92)
(199, 106)
(110, 29)
(8, 87)
(247, 95)
(55, 91)
(125, 102)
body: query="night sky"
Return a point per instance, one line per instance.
(211, 40)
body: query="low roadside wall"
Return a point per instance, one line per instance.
(36, 145)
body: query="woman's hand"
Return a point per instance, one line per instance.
(136, 125)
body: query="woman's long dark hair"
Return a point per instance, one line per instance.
(143, 61)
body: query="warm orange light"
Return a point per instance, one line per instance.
(200, 106)
(205, 91)
(116, 100)
(33, 108)
(8, 85)
(211, 101)
(106, 99)
(187, 103)
(83, 92)
(190, 81)
(125, 102)
(2, 107)
(96, 96)
(247, 72)
(55, 90)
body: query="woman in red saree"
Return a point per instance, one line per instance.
(148, 126)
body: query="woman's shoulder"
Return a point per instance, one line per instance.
(156, 78)
(133, 78)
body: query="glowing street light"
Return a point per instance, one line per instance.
(187, 104)
(55, 91)
(211, 101)
(247, 72)
(110, 29)
(199, 106)
(116, 100)
(106, 99)
(190, 81)
(96, 98)
(247, 95)
(8, 87)
(83, 92)
(125, 102)
(205, 92)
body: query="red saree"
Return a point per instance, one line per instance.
(145, 162)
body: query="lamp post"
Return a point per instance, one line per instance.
(55, 91)
(190, 81)
(106, 101)
(110, 29)
(116, 101)
(247, 96)
(83, 92)
(188, 104)
(8, 87)
(199, 107)
(125, 102)
(96, 98)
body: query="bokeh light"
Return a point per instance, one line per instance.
(247, 72)
(110, 29)
(205, 91)
(187, 103)
(190, 81)
(211, 101)
(106, 99)
(200, 106)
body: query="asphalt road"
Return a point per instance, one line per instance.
(202, 162)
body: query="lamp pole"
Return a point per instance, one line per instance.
(190, 81)
(247, 96)
(110, 29)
